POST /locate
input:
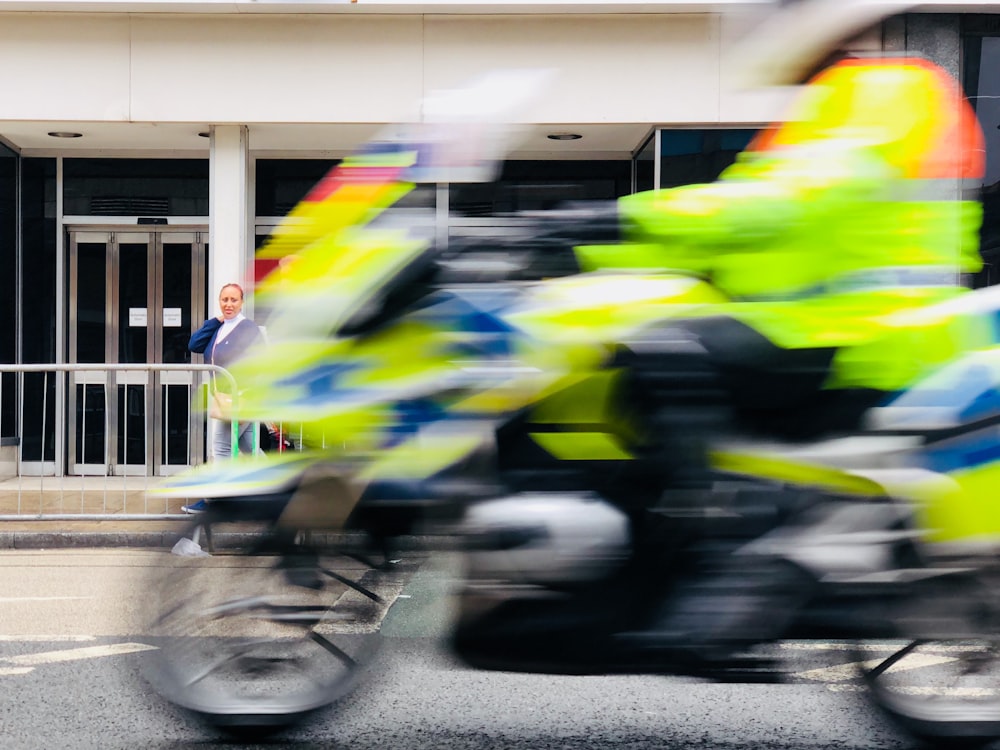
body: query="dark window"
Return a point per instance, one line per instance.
(8, 287)
(135, 187)
(282, 183)
(643, 163)
(38, 303)
(689, 157)
(981, 58)
(541, 185)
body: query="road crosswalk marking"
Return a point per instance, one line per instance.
(75, 654)
(25, 663)
(849, 671)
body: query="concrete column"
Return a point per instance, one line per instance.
(894, 35)
(230, 216)
(938, 37)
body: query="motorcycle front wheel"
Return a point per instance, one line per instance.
(945, 693)
(270, 627)
(942, 686)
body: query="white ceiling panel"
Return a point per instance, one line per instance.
(296, 140)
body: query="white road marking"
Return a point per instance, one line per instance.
(75, 654)
(5, 671)
(836, 646)
(7, 599)
(881, 647)
(846, 688)
(387, 590)
(931, 655)
(958, 692)
(46, 638)
(969, 692)
(844, 672)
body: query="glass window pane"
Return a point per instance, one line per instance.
(91, 307)
(644, 165)
(135, 187)
(282, 183)
(133, 294)
(177, 267)
(8, 286)
(541, 185)
(132, 424)
(91, 416)
(38, 304)
(982, 85)
(689, 157)
(175, 406)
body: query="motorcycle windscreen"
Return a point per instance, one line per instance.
(339, 254)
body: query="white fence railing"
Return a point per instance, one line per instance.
(60, 480)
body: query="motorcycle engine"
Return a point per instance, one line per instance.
(549, 539)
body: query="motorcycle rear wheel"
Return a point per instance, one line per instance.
(258, 635)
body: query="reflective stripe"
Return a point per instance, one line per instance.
(581, 446)
(894, 276)
(915, 190)
(869, 279)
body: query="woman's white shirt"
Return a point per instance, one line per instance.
(227, 327)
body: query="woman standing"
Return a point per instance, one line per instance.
(223, 340)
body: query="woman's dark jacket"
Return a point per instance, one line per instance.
(230, 349)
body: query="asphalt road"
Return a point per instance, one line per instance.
(72, 638)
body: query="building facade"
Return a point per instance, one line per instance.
(148, 148)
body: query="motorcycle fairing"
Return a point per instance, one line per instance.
(884, 339)
(834, 466)
(600, 308)
(240, 477)
(936, 446)
(459, 358)
(957, 410)
(459, 352)
(912, 343)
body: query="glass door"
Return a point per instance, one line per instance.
(134, 297)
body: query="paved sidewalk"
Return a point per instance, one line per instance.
(38, 513)
(78, 512)
(35, 496)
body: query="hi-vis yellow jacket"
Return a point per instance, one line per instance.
(851, 209)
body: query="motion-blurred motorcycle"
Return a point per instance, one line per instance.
(476, 396)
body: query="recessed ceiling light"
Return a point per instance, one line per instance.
(564, 136)
(205, 134)
(65, 134)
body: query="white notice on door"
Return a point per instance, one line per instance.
(171, 317)
(137, 317)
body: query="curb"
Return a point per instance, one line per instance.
(81, 539)
(43, 540)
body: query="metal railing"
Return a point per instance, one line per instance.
(70, 495)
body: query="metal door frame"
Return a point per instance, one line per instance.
(197, 238)
(155, 238)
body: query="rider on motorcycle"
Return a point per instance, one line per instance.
(825, 233)
(829, 222)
